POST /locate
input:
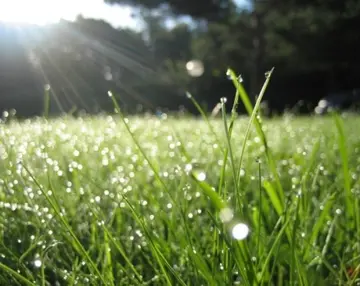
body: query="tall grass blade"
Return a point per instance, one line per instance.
(204, 116)
(46, 101)
(77, 245)
(249, 108)
(160, 258)
(349, 200)
(16, 275)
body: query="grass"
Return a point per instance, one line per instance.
(165, 201)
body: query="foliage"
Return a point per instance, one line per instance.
(210, 10)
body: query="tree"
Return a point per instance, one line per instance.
(18, 82)
(222, 15)
(312, 44)
(213, 10)
(81, 61)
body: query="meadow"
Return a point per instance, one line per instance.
(144, 200)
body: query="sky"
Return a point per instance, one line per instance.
(51, 11)
(43, 12)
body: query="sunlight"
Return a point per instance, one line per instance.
(38, 12)
(42, 12)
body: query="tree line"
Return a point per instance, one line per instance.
(312, 45)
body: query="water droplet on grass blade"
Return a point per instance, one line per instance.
(242, 172)
(200, 175)
(226, 215)
(188, 168)
(267, 74)
(240, 231)
(37, 263)
(228, 74)
(223, 100)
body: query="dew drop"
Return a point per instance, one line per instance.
(242, 173)
(226, 215)
(188, 168)
(199, 175)
(37, 263)
(110, 94)
(223, 100)
(228, 74)
(240, 231)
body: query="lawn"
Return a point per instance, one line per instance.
(144, 200)
(81, 204)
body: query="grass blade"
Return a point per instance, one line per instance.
(349, 200)
(16, 275)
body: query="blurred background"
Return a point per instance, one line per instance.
(150, 52)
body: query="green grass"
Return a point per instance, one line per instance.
(149, 201)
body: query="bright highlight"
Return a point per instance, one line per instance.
(240, 231)
(42, 12)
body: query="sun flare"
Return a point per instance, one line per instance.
(38, 12)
